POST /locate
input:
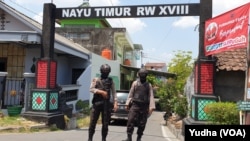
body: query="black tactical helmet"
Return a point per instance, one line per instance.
(142, 72)
(105, 68)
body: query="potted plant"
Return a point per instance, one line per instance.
(14, 110)
(1, 114)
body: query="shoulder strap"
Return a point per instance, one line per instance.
(102, 85)
(111, 80)
(146, 83)
(99, 80)
(136, 83)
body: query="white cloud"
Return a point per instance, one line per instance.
(132, 24)
(219, 7)
(185, 22)
(153, 54)
(69, 3)
(164, 57)
(167, 56)
(56, 2)
(39, 17)
(222, 6)
(104, 2)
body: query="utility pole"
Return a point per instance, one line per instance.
(142, 65)
(205, 14)
(204, 66)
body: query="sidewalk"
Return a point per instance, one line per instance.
(19, 128)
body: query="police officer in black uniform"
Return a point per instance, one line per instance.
(102, 88)
(140, 104)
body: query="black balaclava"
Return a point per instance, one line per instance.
(142, 73)
(105, 70)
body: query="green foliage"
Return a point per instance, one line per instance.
(82, 106)
(181, 106)
(171, 92)
(182, 66)
(222, 113)
(170, 100)
(151, 79)
(167, 93)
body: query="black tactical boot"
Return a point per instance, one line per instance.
(90, 137)
(138, 138)
(104, 138)
(129, 138)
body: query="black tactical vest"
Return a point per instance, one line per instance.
(141, 93)
(103, 84)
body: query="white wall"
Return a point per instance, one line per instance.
(15, 25)
(30, 53)
(96, 62)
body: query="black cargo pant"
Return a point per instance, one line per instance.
(97, 109)
(138, 115)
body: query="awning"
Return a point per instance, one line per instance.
(124, 39)
(154, 72)
(28, 37)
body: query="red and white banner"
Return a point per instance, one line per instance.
(227, 31)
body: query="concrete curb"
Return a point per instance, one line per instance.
(71, 124)
(177, 132)
(15, 128)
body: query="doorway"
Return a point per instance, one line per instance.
(3, 68)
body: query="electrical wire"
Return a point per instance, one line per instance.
(169, 31)
(118, 18)
(155, 59)
(26, 9)
(164, 38)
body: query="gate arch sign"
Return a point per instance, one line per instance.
(166, 10)
(50, 13)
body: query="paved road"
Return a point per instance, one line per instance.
(154, 131)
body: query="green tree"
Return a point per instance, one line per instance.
(171, 93)
(167, 93)
(151, 79)
(182, 66)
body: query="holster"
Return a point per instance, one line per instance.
(130, 104)
(98, 103)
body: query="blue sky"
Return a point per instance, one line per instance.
(159, 36)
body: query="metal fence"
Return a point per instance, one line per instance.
(13, 91)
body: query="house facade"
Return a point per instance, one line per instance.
(231, 74)
(106, 44)
(20, 47)
(156, 66)
(79, 51)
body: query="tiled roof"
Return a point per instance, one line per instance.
(70, 45)
(232, 60)
(155, 65)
